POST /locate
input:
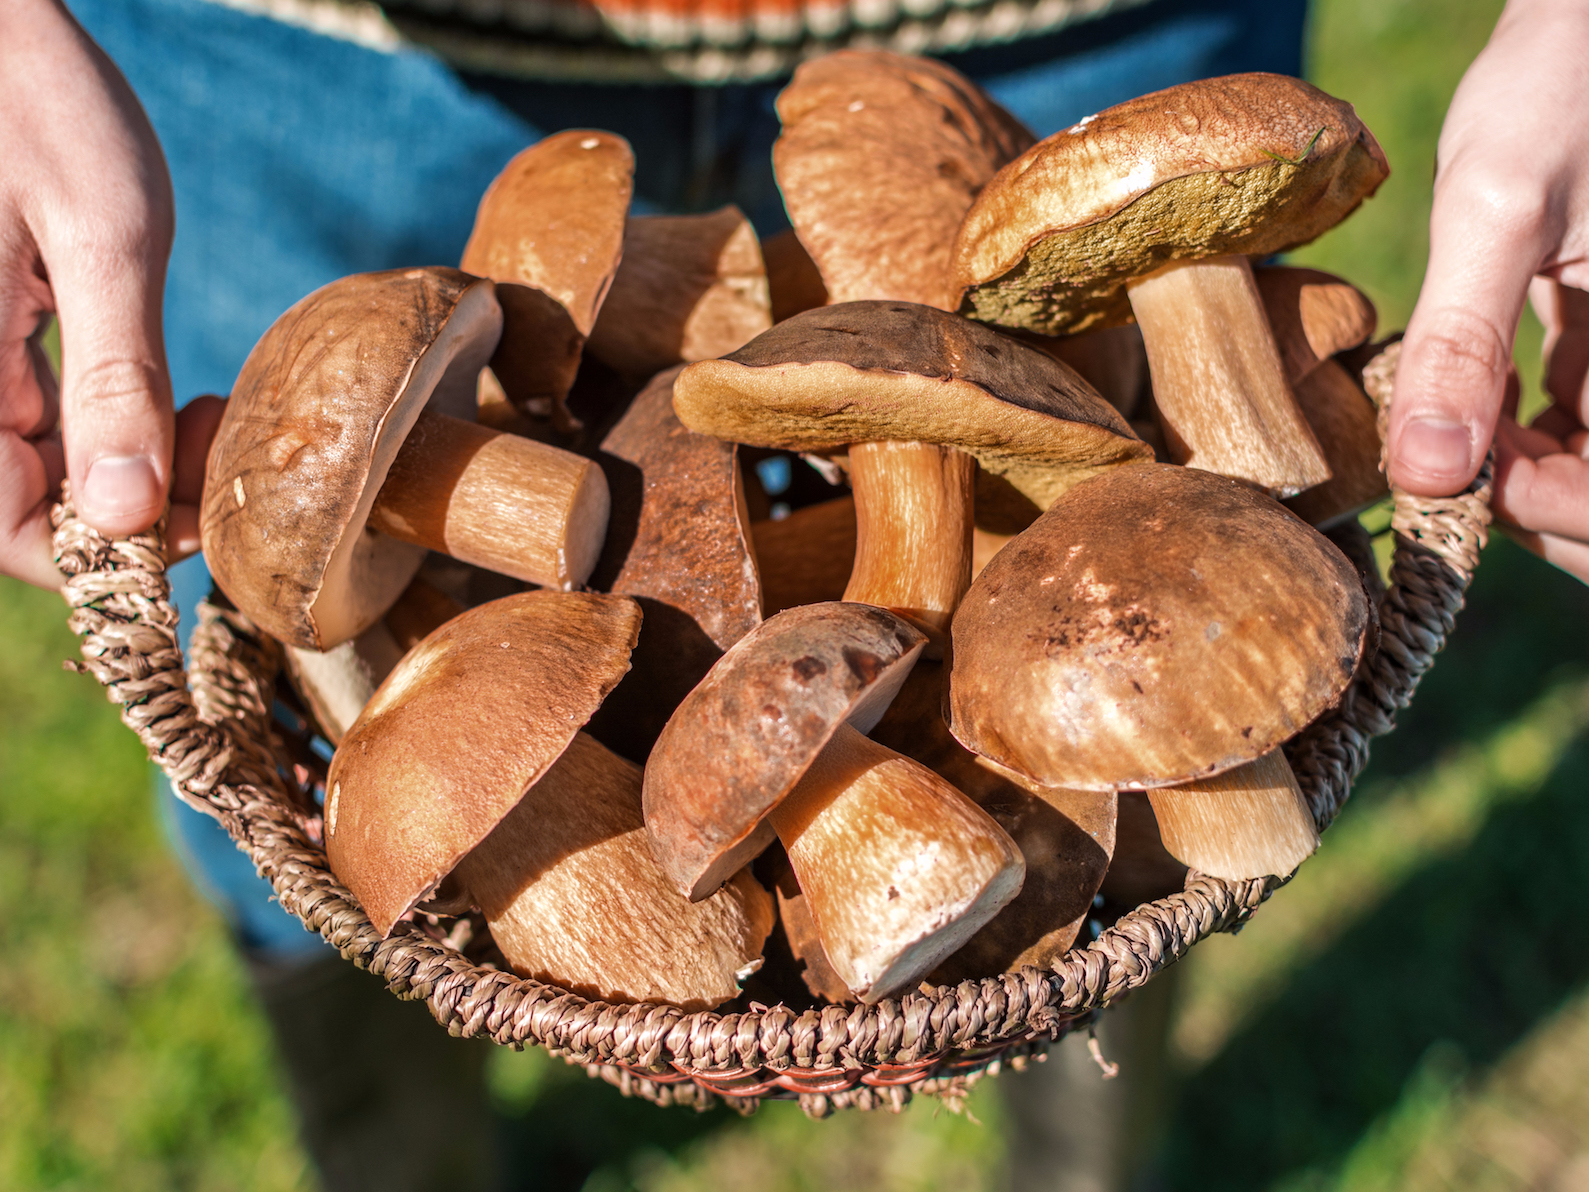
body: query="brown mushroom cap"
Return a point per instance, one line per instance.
(1249, 163)
(877, 371)
(316, 418)
(879, 159)
(680, 544)
(550, 229)
(690, 287)
(459, 731)
(1313, 315)
(742, 739)
(1159, 624)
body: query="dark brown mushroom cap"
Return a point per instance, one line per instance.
(1158, 624)
(550, 229)
(467, 723)
(741, 740)
(879, 160)
(318, 413)
(865, 372)
(1248, 163)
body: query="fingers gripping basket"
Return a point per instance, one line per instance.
(216, 742)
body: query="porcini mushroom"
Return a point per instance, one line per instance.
(681, 546)
(892, 372)
(541, 824)
(898, 868)
(550, 232)
(879, 157)
(349, 417)
(1066, 837)
(1149, 209)
(1158, 625)
(690, 287)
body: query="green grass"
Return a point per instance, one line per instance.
(1412, 1013)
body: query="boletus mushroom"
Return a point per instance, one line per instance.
(345, 452)
(550, 232)
(690, 287)
(896, 373)
(469, 761)
(1150, 209)
(898, 868)
(1158, 626)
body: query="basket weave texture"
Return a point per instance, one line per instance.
(216, 742)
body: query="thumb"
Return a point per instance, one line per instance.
(117, 422)
(1484, 248)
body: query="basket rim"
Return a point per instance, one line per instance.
(209, 731)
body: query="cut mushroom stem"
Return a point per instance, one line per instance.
(499, 501)
(1218, 379)
(1245, 823)
(913, 530)
(898, 867)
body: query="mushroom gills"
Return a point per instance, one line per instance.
(1245, 823)
(1218, 380)
(574, 897)
(899, 869)
(499, 501)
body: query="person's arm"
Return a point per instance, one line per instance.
(85, 230)
(1511, 202)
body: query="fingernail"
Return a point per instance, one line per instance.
(119, 486)
(1435, 447)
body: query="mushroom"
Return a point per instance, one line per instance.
(898, 868)
(1149, 209)
(690, 287)
(681, 546)
(1314, 316)
(1158, 625)
(342, 424)
(1278, 832)
(550, 232)
(794, 282)
(469, 761)
(891, 373)
(336, 684)
(1066, 837)
(879, 158)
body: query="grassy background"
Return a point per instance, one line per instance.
(1413, 1012)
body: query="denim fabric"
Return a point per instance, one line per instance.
(298, 158)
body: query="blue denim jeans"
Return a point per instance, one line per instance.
(299, 158)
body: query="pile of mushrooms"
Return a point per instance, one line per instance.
(670, 742)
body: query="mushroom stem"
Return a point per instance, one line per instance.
(574, 897)
(898, 867)
(913, 530)
(499, 501)
(1218, 379)
(1248, 822)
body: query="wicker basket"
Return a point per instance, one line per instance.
(217, 742)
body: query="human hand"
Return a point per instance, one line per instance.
(1511, 202)
(85, 230)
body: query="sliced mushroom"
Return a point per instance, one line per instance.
(550, 232)
(898, 868)
(341, 424)
(690, 287)
(1162, 198)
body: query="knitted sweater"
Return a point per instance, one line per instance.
(697, 41)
